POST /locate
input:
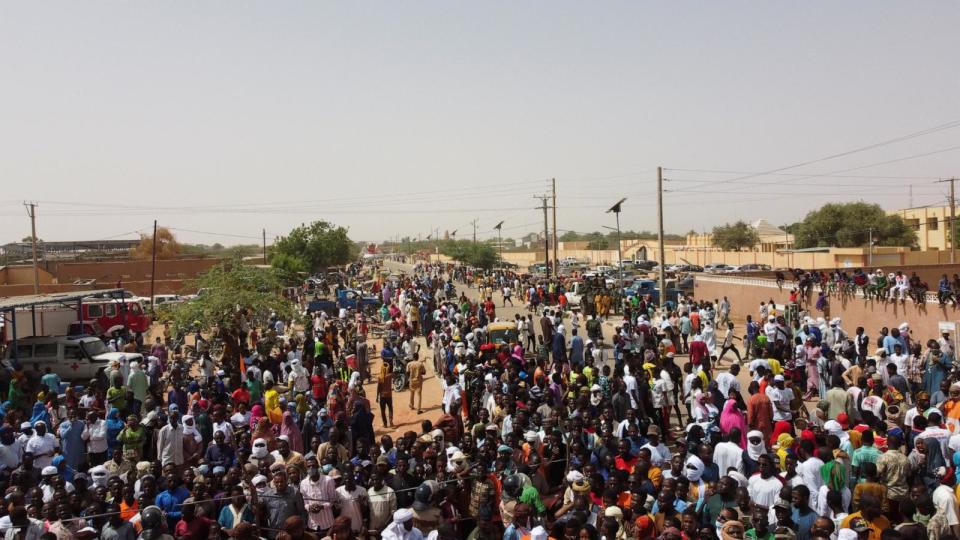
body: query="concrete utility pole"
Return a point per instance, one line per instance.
(953, 221)
(870, 247)
(556, 242)
(153, 266)
(32, 212)
(498, 227)
(264, 246)
(663, 262)
(546, 236)
(952, 232)
(474, 223)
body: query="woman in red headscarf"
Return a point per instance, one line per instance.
(780, 427)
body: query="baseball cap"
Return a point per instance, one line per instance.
(859, 525)
(778, 378)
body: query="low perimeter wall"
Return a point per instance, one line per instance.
(745, 295)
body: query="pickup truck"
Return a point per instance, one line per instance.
(577, 289)
(644, 287)
(346, 298)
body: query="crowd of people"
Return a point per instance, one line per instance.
(575, 426)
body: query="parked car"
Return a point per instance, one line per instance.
(72, 358)
(755, 267)
(650, 287)
(732, 269)
(674, 268)
(645, 265)
(716, 268)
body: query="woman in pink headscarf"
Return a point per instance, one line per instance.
(256, 413)
(732, 417)
(289, 428)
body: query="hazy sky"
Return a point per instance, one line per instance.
(399, 117)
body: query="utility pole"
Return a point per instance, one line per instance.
(264, 246)
(153, 266)
(556, 242)
(474, 223)
(546, 236)
(953, 219)
(870, 247)
(616, 212)
(663, 262)
(498, 227)
(32, 212)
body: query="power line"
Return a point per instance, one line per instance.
(212, 233)
(866, 177)
(877, 164)
(927, 131)
(832, 184)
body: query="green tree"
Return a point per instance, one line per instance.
(318, 245)
(850, 224)
(735, 236)
(480, 254)
(227, 290)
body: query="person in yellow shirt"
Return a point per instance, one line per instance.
(775, 367)
(271, 402)
(868, 518)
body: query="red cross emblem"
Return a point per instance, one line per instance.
(74, 366)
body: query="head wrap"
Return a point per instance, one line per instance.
(727, 528)
(758, 449)
(693, 469)
(834, 475)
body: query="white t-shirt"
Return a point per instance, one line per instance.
(728, 455)
(659, 454)
(809, 470)
(764, 492)
(783, 398)
(630, 382)
(42, 445)
(726, 381)
(10, 455)
(756, 363)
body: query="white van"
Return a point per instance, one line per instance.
(72, 358)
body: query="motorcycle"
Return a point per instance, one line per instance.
(399, 374)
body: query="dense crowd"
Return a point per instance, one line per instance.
(582, 426)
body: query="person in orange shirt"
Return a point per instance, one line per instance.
(625, 461)
(129, 505)
(644, 526)
(870, 517)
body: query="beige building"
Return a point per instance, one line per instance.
(772, 238)
(932, 225)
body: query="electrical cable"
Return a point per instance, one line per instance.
(949, 125)
(877, 164)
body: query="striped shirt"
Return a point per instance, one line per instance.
(323, 494)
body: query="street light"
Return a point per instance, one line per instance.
(498, 227)
(616, 212)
